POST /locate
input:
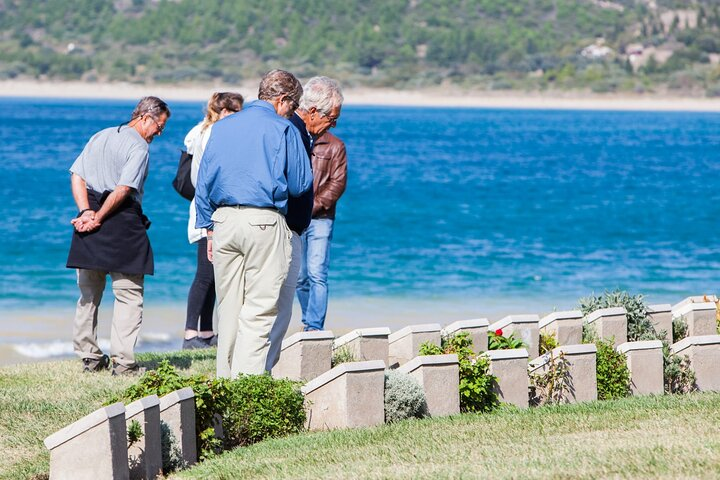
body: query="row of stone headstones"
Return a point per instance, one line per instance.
(351, 394)
(96, 446)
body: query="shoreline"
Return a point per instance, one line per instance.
(429, 97)
(43, 334)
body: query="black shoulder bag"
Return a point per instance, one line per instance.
(181, 182)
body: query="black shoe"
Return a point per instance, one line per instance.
(213, 341)
(96, 364)
(193, 343)
(118, 369)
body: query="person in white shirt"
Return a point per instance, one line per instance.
(201, 298)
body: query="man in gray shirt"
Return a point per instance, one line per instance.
(110, 236)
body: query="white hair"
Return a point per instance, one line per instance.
(323, 93)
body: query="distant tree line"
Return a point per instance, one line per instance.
(481, 44)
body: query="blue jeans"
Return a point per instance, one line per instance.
(312, 289)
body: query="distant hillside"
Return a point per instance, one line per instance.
(603, 46)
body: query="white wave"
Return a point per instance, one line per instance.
(51, 349)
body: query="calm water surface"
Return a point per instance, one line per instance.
(454, 205)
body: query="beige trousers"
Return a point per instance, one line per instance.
(251, 257)
(127, 315)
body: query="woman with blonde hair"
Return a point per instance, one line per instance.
(201, 298)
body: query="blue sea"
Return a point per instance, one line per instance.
(489, 208)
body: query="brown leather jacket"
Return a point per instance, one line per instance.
(329, 163)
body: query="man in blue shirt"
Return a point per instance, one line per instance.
(254, 160)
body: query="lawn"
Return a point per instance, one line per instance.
(658, 437)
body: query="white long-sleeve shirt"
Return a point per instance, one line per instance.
(195, 142)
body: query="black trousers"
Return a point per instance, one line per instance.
(201, 299)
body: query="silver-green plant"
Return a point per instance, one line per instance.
(639, 325)
(404, 397)
(342, 355)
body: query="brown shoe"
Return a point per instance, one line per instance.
(135, 370)
(96, 364)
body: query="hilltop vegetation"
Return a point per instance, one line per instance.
(635, 45)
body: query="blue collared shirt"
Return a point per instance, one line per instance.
(254, 158)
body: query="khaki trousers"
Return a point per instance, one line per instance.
(127, 315)
(251, 257)
(285, 303)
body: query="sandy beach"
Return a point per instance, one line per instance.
(435, 97)
(32, 335)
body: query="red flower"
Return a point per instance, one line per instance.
(498, 332)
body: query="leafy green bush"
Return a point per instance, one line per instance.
(210, 398)
(613, 375)
(261, 407)
(404, 397)
(639, 326)
(547, 342)
(496, 341)
(250, 408)
(477, 394)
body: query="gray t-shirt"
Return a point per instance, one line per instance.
(113, 158)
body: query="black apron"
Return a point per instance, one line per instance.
(121, 244)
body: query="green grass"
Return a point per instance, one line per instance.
(658, 437)
(38, 399)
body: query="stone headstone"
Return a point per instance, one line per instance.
(645, 362)
(476, 328)
(404, 345)
(177, 412)
(305, 355)
(610, 323)
(701, 317)
(439, 375)
(565, 326)
(661, 318)
(91, 448)
(365, 344)
(582, 376)
(145, 455)
(525, 327)
(704, 354)
(511, 369)
(350, 395)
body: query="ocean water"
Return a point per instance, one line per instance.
(491, 209)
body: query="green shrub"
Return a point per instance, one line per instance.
(477, 394)
(134, 432)
(261, 407)
(639, 326)
(210, 398)
(547, 342)
(496, 341)
(251, 407)
(680, 328)
(613, 375)
(342, 355)
(552, 385)
(404, 397)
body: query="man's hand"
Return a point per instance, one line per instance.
(209, 248)
(86, 222)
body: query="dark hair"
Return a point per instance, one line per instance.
(152, 106)
(221, 101)
(277, 83)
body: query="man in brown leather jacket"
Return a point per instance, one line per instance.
(330, 177)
